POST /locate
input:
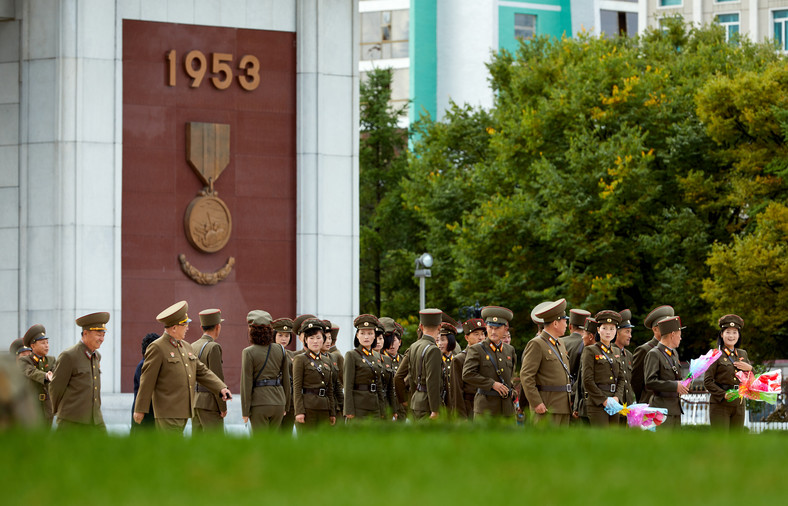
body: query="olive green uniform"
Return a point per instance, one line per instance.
(265, 384)
(208, 407)
(463, 394)
(662, 373)
(289, 419)
(364, 396)
(336, 383)
(602, 379)
(396, 361)
(447, 397)
(76, 387)
(387, 377)
(638, 375)
(35, 368)
(169, 366)
(422, 367)
(574, 348)
(486, 364)
(718, 379)
(313, 389)
(545, 377)
(628, 393)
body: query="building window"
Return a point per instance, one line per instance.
(384, 34)
(524, 26)
(781, 28)
(670, 3)
(731, 24)
(614, 23)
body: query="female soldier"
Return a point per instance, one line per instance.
(313, 391)
(391, 355)
(363, 369)
(264, 375)
(336, 371)
(284, 329)
(383, 344)
(447, 342)
(600, 364)
(721, 376)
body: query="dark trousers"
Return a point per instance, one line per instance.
(726, 415)
(206, 419)
(264, 417)
(171, 424)
(598, 417)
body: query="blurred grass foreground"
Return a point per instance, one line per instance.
(420, 464)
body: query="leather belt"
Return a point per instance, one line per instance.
(555, 388)
(372, 387)
(201, 388)
(42, 397)
(269, 383)
(320, 392)
(605, 386)
(666, 394)
(725, 386)
(468, 397)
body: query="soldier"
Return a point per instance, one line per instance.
(76, 382)
(209, 409)
(462, 393)
(447, 343)
(336, 372)
(265, 373)
(170, 373)
(721, 375)
(662, 372)
(396, 359)
(578, 397)
(312, 385)
(17, 406)
(37, 368)
(363, 370)
(149, 420)
(623, 337)
(385, 341)
(424, 357)
(574, 341)
(338, 358)
(19, 350)
(284, 330)
(489, 366)
(545, 374)
(651, 322)
(600, 364)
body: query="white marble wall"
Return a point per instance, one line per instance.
(60, 156)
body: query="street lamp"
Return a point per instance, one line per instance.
(423, 264)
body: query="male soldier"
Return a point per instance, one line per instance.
(76, 382)
(463, 394)
(489, 366)
(336, 386)
(170, 373)
(578, 397)
(651, 321)
(663, 373)
(623, 337)
(425, 359)
(19, 350)
(574, 341)
(37, 368)
(209, 409)
(545, 372)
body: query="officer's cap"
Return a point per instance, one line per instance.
(473, 324)
(657, 314)
(311, 323)
(258, 318)
(555, 311)
(283, 325)
(366, 321)
(34, 333)
(577, 317)
(177, 314)
(590, 325)
(431, 317)
(210, 317)
(669, 325)
(93, 321)
(626, 317)
(497, 316)
(387, 324)
(538, 309)
(18, 346)
(608, 316)
(731, 321)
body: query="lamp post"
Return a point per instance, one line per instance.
(423, 264)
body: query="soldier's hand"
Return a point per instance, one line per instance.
(681, 389)
(246, 419)
(138, 417)
(50, 374)
(332, 419)
(300, 418)
(501, 389)
(433, 415)
(575, 414)
(226, 395)
(740, 365)
(540, 409)
(224, 413)
(350, 417)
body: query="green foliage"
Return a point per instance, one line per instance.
(604, 173)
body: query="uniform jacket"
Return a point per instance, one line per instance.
(387, 376)
(340, 361)
(542, 367)
(336, 376)
(76, 386)
(169, 377)
(363, 368)
(312, 373)
(601, 366)
(35, 369)
(638, 378)
(479, 373)
(209, 352)
(255, 367)
(721, 375)
(459, 388)
(628, 393)
(662, 373)
(422, 366)
(574, 348)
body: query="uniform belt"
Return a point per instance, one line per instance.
(42, 397)
(666, 394)
(269, 383)
(372, 387)
(201, 388)
(320, 392)
(555, 388)
(488, 393)
(725, 386)
(421, 388)
(468, 397)
(607, 387)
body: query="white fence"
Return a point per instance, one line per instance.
(696, 412)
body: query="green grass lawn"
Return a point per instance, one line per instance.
(435, 464)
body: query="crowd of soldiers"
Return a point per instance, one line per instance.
(562, 379)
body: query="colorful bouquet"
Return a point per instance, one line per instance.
(699, 365)
(764, 387)
(638, 415)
